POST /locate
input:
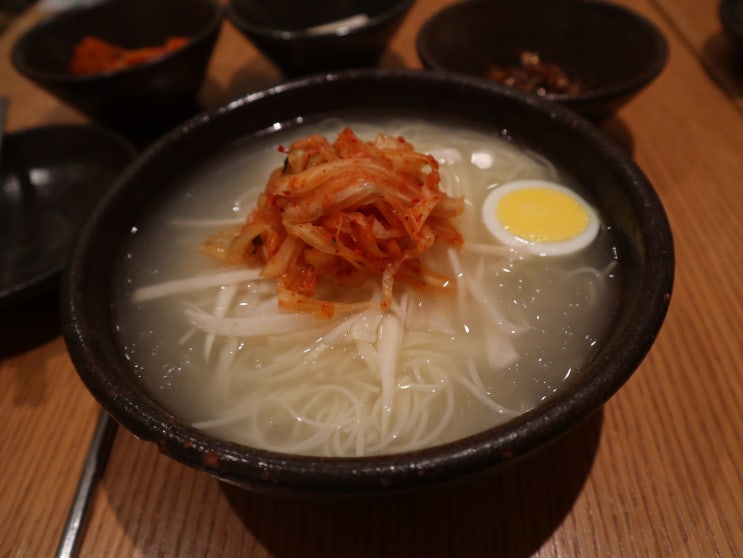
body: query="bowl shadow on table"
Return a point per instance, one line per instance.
(24, 327)
(30, 324)
(260, 73)
(724, 64)
(255, 75)
(510, 512)
(617, 130)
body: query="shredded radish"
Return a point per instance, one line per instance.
(388, 348)
(222, 305)
(180, 286)
(251, 326)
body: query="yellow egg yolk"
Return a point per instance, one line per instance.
(541, 215)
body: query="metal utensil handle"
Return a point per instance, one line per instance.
(95, 462)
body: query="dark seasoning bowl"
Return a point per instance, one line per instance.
(615, 51)
(306, 37)
(619, 190)
(146, 98)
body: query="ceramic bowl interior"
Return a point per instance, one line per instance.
(50, 179)
(149, 96)
(622, 194)
(612, 50)
(302, 38)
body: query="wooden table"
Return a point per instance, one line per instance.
(658, 472)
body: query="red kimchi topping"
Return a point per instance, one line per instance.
(347, 211)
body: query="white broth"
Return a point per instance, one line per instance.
(211, 344)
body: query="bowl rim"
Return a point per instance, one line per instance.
(210, 28)
(269, 471)
(659, 60)
(287, 35)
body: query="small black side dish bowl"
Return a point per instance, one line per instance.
(51, 178)
(149, 97)
(730, 13)
(621, 193)
(611, 49)
(307, 37)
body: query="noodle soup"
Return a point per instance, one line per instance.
(211, 343)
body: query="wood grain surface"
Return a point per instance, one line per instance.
(657, 472)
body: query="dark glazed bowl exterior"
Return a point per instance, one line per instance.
(150, 96)
(731, 17)
(51, 178)
(280, 29)
(608, 46)
(622, 194)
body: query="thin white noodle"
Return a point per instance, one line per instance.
(477, 389)
(249, 326)
(446, 416)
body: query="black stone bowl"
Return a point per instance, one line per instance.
(622, 194)
(51, 178)
(143, 99)
(612, 50)
(730, 13)
(306, 37)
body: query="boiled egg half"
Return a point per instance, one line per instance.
(539, 216)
